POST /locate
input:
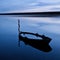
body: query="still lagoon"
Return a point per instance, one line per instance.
(9, 49)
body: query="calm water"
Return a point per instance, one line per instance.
(9, 50)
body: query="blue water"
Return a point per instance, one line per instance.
(9, 50)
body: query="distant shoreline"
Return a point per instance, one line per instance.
(34, 14)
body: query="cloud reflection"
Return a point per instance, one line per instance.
(47, 24)
(42, 20)
(52, 28)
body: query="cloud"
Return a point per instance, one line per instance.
(40, 7)
(43, 8)
(29, 5)
(12, 5)
(49, 1)
(39, 4)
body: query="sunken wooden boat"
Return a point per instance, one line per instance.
(40, 44)
(42, 37)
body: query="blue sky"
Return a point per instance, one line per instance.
(29, 5)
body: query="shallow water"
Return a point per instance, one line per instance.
(48, 26)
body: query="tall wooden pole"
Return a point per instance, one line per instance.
(18, 32)
(18, 26)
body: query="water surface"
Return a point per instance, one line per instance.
(9, 50)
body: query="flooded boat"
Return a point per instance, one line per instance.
(40, 44)
(43, 37)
